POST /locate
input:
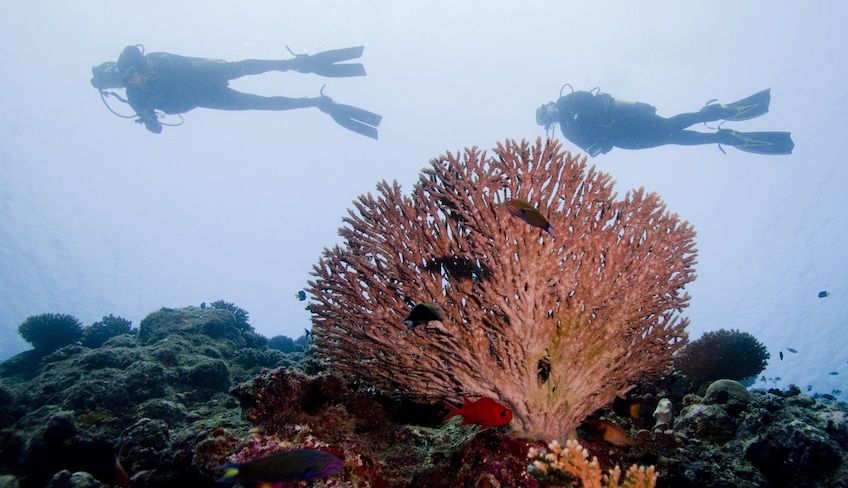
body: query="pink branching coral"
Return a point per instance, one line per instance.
(572, 463)
(552, 325)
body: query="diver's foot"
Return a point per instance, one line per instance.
(717, 111)
(745, 109)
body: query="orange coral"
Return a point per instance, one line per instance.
(573, 462)
(553, 325)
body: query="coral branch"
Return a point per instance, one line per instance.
(572, 463)
(553, 325)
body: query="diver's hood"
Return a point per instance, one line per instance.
(546, 115)
(106, 75)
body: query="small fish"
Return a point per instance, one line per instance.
(776, 379)
(823, 294)
(608, 432)
(295, 465)
(529, 214)
(793, 351)
(423, 313)
(826, 396)
(763, 378)
(833, 373)
(300, 296)
(809, 387)
(485, 412)
(781, 355)
(836, 391)
(626, 408)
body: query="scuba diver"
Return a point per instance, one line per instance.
(596, 122)
(176, 84)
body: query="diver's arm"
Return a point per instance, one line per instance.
(150, 121)
(144, 110)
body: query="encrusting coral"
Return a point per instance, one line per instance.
(554, 325)
(572, 463)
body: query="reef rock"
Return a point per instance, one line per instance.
(146, 399)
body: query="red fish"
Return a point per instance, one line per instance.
(484, 412)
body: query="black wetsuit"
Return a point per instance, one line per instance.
(597, 123)
(175, 84)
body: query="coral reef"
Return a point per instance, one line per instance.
(161, 407)
(148, 400)
(728, 354)
(242, 318)
(99, 332)
(553, 325)
(50, 331)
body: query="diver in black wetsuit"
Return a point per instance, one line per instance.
(176, 84)
(596, 122)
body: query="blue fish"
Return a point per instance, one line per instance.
(295, 465)
(824, 293)
(833, 373)
(781, 355)
(793, 351)
(809, 387)
(300, 296)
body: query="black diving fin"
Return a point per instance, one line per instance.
(758, 142)
(747, 108)
(352, 118)
(327, 63)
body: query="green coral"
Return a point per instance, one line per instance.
(99, 332)
(722, 354)
(240, 314)
(50, 331)
(91, 418)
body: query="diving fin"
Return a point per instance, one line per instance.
(758, 142)
(325, 62)
(351, 118)
(355, 126)
(747, 108)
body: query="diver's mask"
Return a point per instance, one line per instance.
(106, 75)
(547, 114)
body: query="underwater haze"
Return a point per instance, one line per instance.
(99, 216)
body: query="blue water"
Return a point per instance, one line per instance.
(98, 216)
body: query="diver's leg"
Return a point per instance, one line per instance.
(707, 114)
(229, 99)
(237, 69)
(692, 138)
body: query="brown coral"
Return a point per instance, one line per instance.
(553, 325)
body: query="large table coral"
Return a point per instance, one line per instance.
(554, 325)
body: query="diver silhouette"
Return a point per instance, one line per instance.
(596, 122)
(176, 84)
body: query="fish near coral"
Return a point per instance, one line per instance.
(294, 465)
(608, 432)
(529, 214)
(627, 408)
(300, 296)
(485, 412)
(423, 313)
